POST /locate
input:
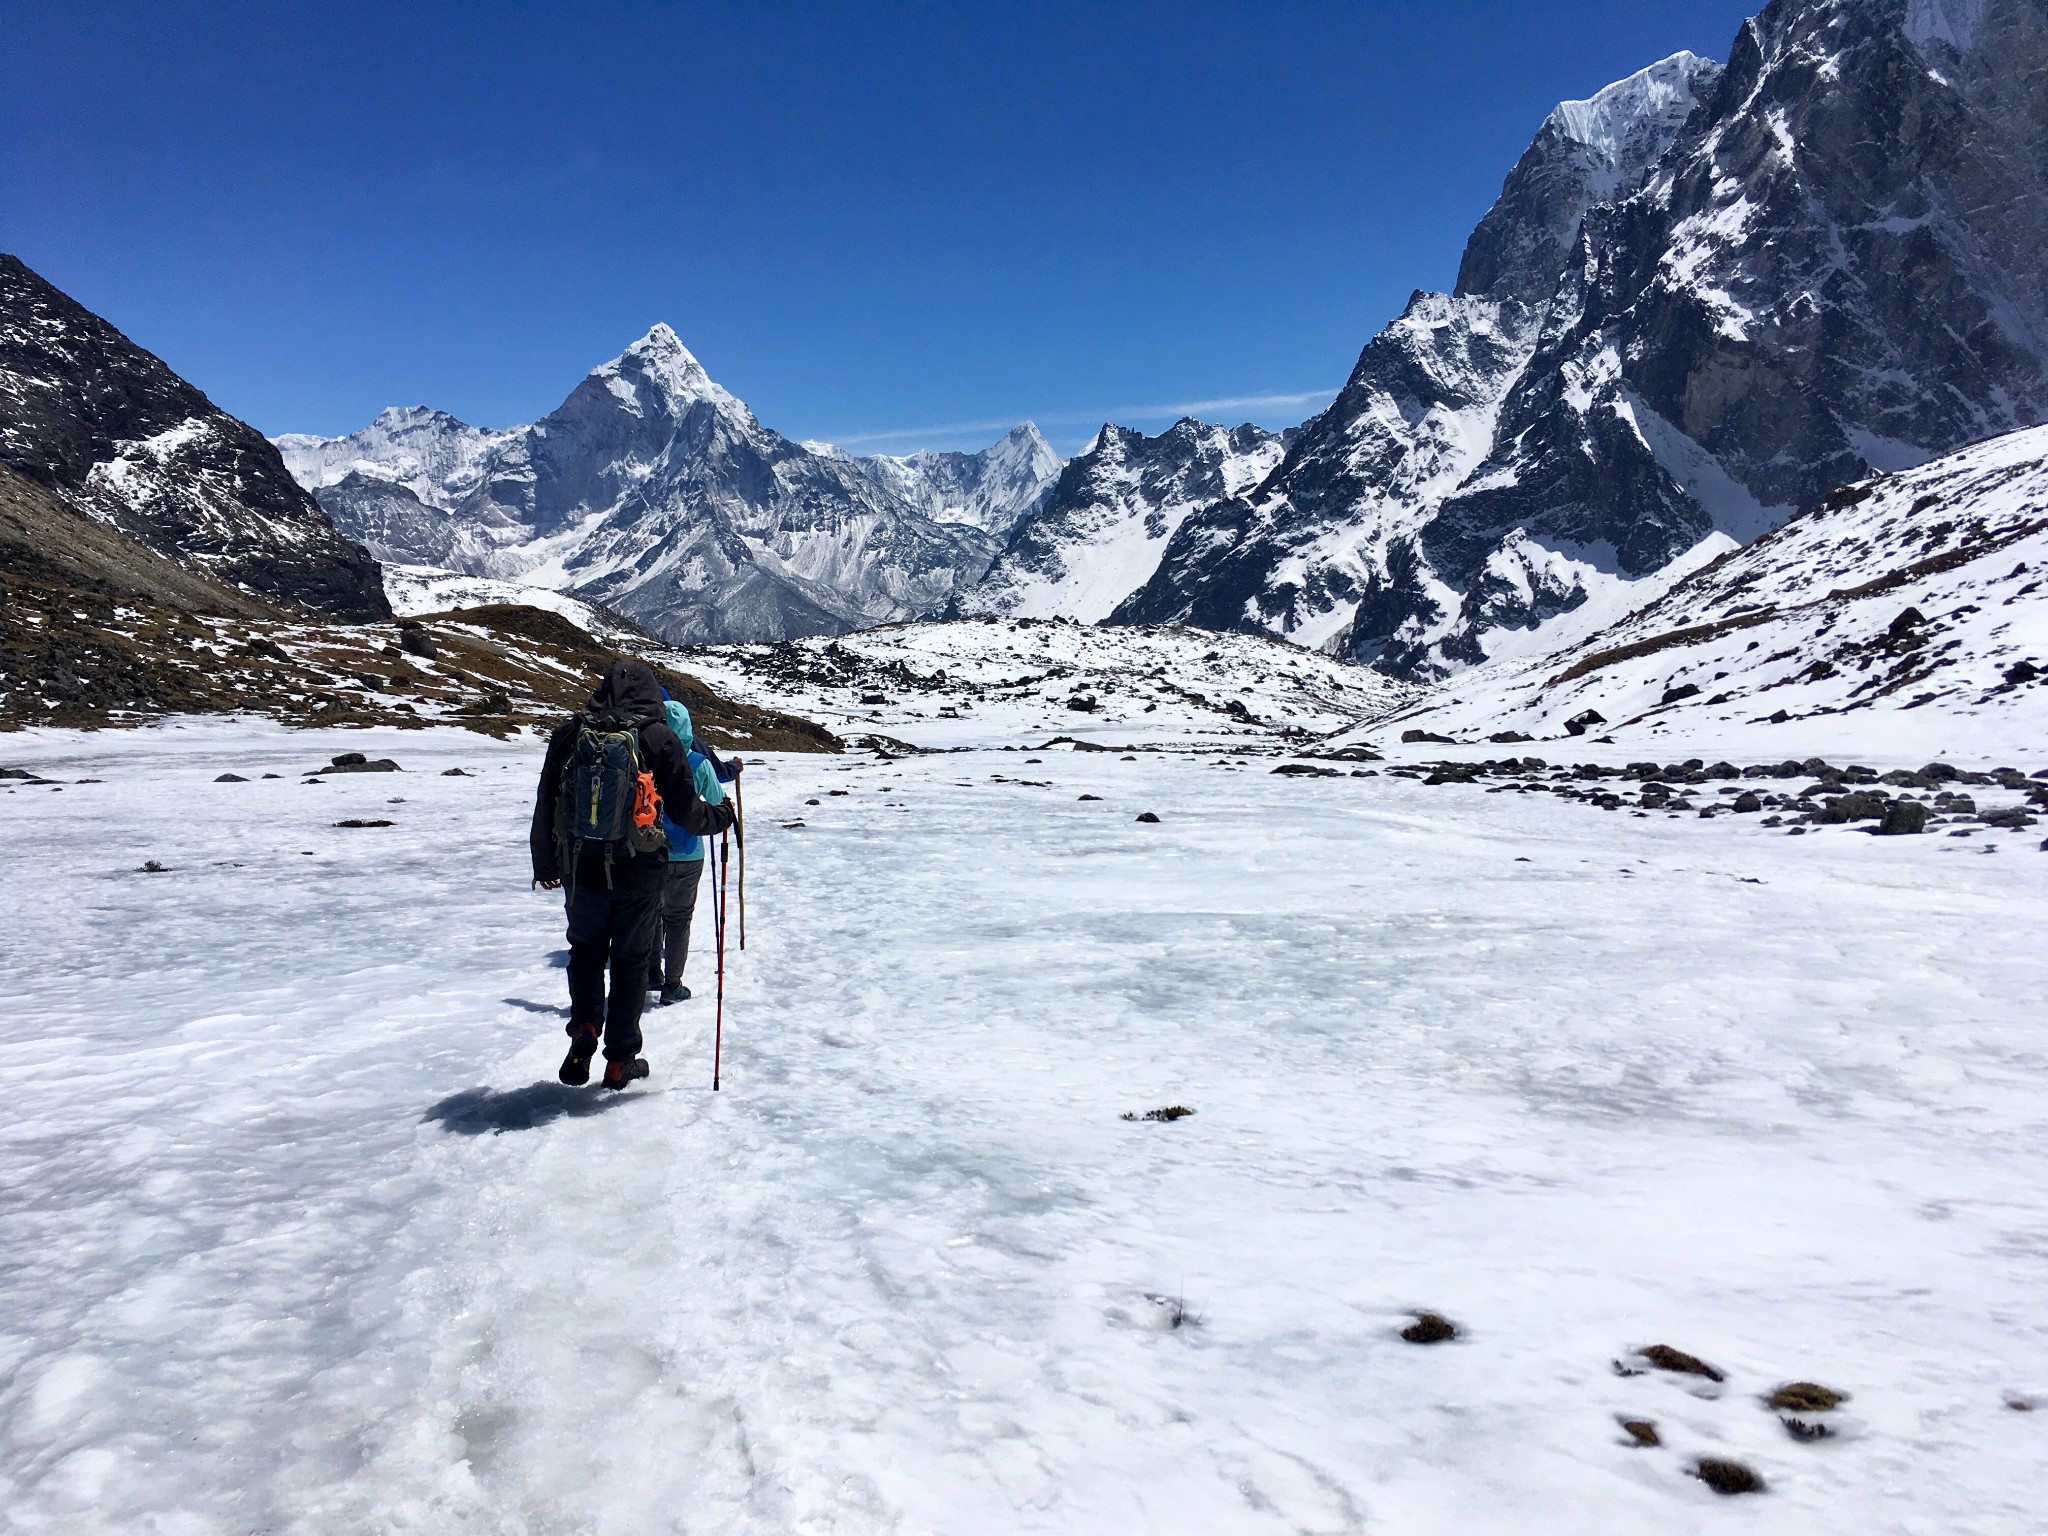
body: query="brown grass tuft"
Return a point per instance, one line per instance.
(1806, 1397)
(1727, 1476)
(1665, 1358)
(1429, 1328)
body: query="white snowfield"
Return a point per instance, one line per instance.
(303, 1237)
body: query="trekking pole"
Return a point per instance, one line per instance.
(718, 922)
(739, 825)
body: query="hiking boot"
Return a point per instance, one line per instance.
(619, 1073)
(674, 994)
(576, 1065)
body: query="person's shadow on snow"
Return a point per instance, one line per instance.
(477, 1110)
(532, 1007)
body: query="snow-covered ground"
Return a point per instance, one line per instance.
(302, 1236)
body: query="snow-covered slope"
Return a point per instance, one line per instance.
(114, 433)
(1008, 680)
(1913, 604)
(421, 589)
(991, 489)
(1761, 283)
(1099, 532)
(654, 491)
(1324, 551)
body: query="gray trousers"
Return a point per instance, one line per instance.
(678, 906)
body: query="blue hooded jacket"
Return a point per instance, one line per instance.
(683, 846)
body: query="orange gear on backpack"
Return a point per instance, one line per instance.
(646, 802)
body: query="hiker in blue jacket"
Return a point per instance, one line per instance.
(686, 861)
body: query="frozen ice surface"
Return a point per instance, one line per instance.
(302, 1237)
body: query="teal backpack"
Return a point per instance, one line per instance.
(607, 794)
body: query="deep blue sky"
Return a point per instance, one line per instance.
(882, 224)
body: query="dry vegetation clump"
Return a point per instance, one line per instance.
(1806, 1397)
(1430, 1328)
(1665, 1358)
(1727, 1476)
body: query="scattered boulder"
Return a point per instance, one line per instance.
(1148, 816)
(1727, 1476)
(1509, 738)
(230, 778)
(456, 773)
(1682, 691)
(1903, 818)
(356, 762)
(1779, 717)
(357, 822)
(2021, 672)
(414, 640)
(1307, 771)
(1084, 797)
(1411, 736)
(273, 775)
(1584, 721)
(1429, 1328)
(1746, 803)
(874, 698)
(1084, 703)
(1905, 624)
(1858, 806)
(2013, 818)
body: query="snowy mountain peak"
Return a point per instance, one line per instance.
(1586, 153)
(1664, 93)
(659, 363)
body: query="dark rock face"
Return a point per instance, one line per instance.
(1361, 483)
(1829, 273)
(1104, 524)
(1704, 299)
(116, 435)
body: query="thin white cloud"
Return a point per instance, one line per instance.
(1126, 413)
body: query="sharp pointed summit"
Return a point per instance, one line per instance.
(655, 491)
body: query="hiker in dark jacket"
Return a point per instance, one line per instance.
(614, 892)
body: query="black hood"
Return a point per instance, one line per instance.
(632, 689)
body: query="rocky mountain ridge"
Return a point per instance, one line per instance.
(1782, 276)
(111, 432)
(655, 492)
(1099, 530)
